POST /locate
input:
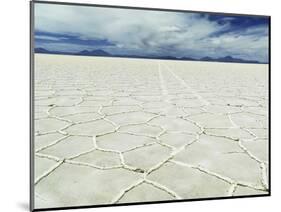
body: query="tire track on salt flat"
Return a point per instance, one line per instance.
(183, 83)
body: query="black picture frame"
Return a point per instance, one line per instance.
(31, 106)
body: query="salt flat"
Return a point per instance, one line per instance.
(116, 130)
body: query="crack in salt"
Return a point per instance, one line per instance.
(169, 93)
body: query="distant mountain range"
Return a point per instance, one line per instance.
(99, 52)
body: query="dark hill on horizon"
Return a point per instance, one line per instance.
(97, 52)
(100, 52)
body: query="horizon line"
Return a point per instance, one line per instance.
(165, 57)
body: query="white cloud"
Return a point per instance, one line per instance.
(45, 37)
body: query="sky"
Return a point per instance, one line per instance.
(71, 28)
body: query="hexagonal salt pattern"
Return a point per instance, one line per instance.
(113, 130)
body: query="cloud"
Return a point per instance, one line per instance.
(45, 37)
(146, 32)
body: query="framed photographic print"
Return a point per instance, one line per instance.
(142, 105)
